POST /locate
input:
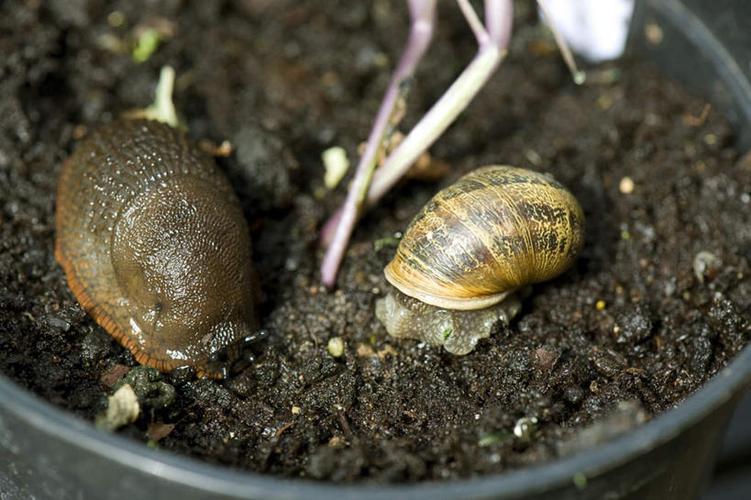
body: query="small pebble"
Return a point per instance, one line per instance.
(626, 186)
(336, 442)
(56, 322)
(296, 410)
(525, 427)
(122, 409)
(336, 163)
(653, 33)
(365, 351)
(116, 19)
(607, 362)
(706, 266)
(634, 325)
(600, 305)
(573, 394)
(336, 347)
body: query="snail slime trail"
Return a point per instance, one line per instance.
(155, 247)
(473, 249)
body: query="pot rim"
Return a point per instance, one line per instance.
(213, 479)
(728, 383)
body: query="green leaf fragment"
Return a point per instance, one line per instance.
(146, 44)
(387, 242)
(580, 480)
(493, 438)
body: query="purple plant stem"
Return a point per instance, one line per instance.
(493, 48)
(493, 44)
(499, 18)
(422, 13)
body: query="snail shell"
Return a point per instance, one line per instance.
(470, 254)
(154, 245)
(495, 230)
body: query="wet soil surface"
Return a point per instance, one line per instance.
(657, 303)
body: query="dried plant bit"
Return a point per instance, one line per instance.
(400, 107)
(390, 141)
(336, 163)
(112, 43)
(697, 120)
(159, 430)
(116, 19)
(428, 169)
(457, 331)
(425, 168)
(222, 150)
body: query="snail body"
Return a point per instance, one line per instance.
(155, 247)
(494, 232)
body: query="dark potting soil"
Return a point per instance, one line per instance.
(657, 303)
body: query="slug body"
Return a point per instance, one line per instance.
(492, 233)
(155, 247)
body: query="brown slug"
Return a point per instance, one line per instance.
(155, 247)
(494, 232)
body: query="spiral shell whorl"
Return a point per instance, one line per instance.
(494, 230)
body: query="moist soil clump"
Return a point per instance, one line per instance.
(657, 303)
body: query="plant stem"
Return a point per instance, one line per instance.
(568, 57)
(474, 22)
(425, 133)
(437, 120)
(493, 44)
(422, 14)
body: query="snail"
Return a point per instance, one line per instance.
(155, 247)
(473, 249)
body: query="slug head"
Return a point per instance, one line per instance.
(181, 255)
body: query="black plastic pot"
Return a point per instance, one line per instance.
(46, 453)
